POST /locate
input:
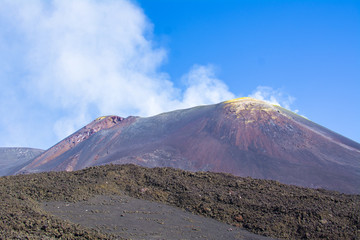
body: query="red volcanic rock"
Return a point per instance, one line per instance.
(76, 138)
(245, 137)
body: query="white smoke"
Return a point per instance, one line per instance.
(273, 96)
(204, 88)
(84, 58)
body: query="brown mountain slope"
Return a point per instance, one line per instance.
(245, 137)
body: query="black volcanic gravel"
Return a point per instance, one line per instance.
(134, 218)
(260, 206)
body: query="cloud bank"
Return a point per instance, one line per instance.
(76, 60)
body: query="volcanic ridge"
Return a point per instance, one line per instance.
(244, 137)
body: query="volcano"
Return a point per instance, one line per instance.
(244, 137)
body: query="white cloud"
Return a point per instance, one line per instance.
(84, 58)
(273, 96)
(204, 88)
(67, 62)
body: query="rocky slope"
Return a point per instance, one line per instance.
(245, 137)
(260, 206)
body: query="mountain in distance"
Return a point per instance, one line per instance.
(13, 157)
(244, 137)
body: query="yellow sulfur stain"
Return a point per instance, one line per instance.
(235, 100)
(100, 118)
(239, 99)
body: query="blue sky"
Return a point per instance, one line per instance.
(64, 63)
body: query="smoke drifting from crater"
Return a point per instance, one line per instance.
(77, 60)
